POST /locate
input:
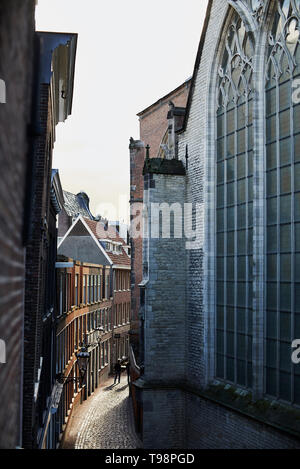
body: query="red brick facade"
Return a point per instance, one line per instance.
(36, 256)
(153, 120)
(85, 304)
(121, 312)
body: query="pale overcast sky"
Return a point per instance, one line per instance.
(130, 53)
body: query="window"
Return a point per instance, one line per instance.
(234, 190)
(79, 330)
(61, 293)
(76, 290)
(283, 197)
(103, 319)
(106, 352)
(107, 286)
(76, 333)
(92, 289)
(88, 288)
(106, 321)
(99, 287)
(84, 289)
(103, 360)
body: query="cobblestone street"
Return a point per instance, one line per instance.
(104, 421)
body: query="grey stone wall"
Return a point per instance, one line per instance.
(164, 419)
(212, 426)
(165, 290)
(164, 319)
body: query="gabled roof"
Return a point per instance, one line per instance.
(73, 227)
(104, 231)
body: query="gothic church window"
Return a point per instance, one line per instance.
(282, 378)
(234, 206)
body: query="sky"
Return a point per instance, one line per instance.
(130, 53)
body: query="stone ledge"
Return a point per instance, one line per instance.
(163, 166)
(274, 414)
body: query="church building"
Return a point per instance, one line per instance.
(220, 293)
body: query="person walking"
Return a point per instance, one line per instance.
(117, 371)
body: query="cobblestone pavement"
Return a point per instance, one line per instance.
(104, 420)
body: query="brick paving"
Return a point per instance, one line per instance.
(104, 420)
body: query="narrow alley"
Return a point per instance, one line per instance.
(104, 421)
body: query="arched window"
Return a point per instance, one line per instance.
(234, 207)
(282, 378)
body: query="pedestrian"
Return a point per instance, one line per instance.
(128, 372)
(117, 371)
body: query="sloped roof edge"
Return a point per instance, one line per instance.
(165, 97)
(80, 218)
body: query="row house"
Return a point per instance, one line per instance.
(36, 78)
(95, 242)
(54, 83)
(84, 321)
(117, 251)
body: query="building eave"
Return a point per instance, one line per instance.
(57, 68)
(57, 197)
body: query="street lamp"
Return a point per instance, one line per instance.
(82, 362)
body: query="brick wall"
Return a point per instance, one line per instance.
(153, 120)
(35, 272)
(16, 51)
(64, 223)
